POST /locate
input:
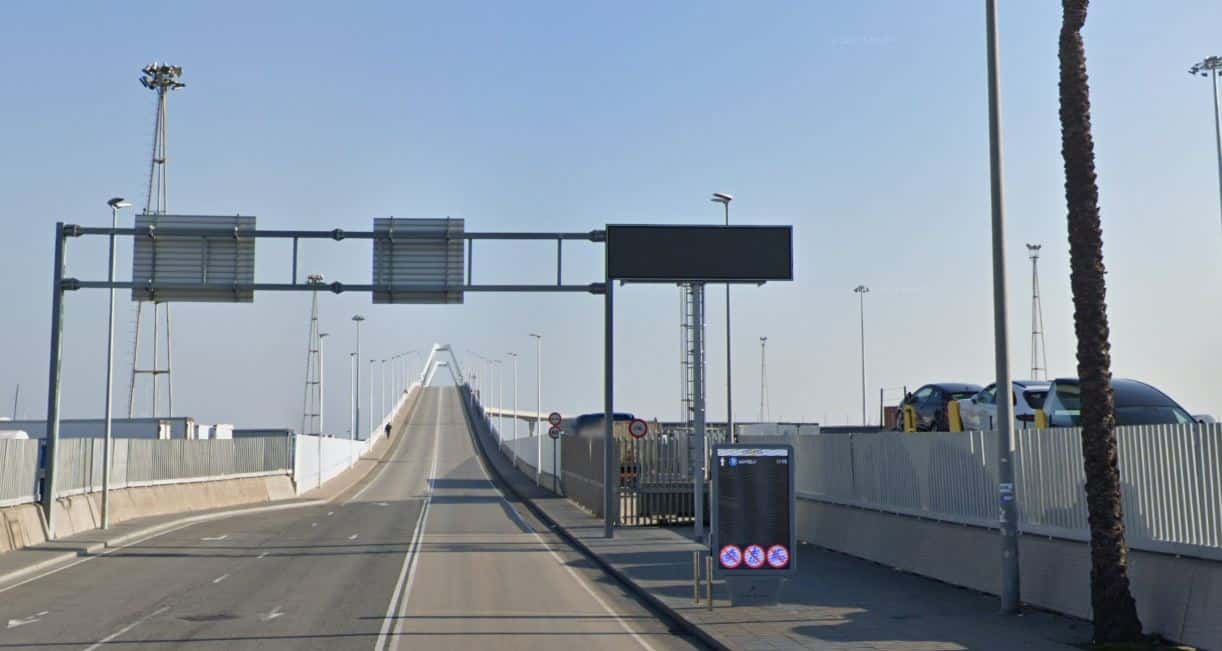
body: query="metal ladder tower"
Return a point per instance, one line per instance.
(688, 355)
(311, 414)
(160, 78)
(763, 379)
(1039, 354)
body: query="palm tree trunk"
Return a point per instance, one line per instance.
(1114, 611)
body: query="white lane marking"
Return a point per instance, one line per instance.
(390, 625)
(108, 638)
(220, 578)
(353, 536)
(382, 503)
(193, 520)
(560, 561)
(263, 555)
(14, 623)
(330, 513)
(215, 538)
(273, 614)
(313, 524)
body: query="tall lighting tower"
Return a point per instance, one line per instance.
(1212, 67)
(311, 413)
(1039, 354)
(160, 78)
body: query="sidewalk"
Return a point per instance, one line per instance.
(835, 601)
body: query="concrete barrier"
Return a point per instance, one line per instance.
(1177, 597)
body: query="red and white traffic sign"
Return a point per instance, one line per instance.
(731, 557)
(778, 556)
(638, 428)
(554, 432)
(554, 418)
(753, 556)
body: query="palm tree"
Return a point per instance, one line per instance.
(1114, 611)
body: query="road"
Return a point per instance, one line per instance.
(425, 553)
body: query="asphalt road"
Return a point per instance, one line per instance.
(425, 553)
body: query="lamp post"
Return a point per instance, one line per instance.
(356, 371)
(500, 398)
(322, 382)
(383, 388)
(725, 199)
(351, 394)
(861, 291)
(115, 204)
(371, 412)
(539, 406)
(513, 418)
(1212, 67)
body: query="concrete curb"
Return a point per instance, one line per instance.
(104, 547)
(672, 617)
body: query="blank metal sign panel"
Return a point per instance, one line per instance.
(423, 253)
(215, 263)
(658, 253)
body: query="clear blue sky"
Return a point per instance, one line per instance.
(861, 123)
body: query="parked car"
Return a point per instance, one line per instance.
(979, 412)
(930, 403)
(1137, 403)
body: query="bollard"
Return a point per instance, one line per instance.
(708, 577)
(695, 577)
(954, 417)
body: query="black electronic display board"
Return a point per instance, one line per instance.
(663, 253)
(753, 528)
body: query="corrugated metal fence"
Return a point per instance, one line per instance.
(145, 462)
(1172, 480)
(18, 471)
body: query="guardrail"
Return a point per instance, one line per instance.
(18, 471)
(1171, 474)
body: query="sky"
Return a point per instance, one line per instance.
(861, 123)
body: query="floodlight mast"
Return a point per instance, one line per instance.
(1212, 67)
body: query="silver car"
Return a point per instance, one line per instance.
(979, 412)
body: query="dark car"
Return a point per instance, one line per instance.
(930, 403)
(1137, 403)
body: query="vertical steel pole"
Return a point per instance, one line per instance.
(539, 411)
(356, 372)
(322, 397)
(730, 437)
(698, 402)
(1217, 137)
(110, 375)
(371, 411)
(862, 312)
(153, 370)
(1005, 417)
(53, 388)
(169, 365)
(609, 476)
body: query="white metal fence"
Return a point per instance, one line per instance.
(18, 471)
(145, 462)
(1171, 474)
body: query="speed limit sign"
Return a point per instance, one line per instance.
(638, 428)
(554, 418)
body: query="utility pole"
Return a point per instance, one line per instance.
(1039, 354)
(310, 411)
(1001, 338)
(861, 291)
(1212, 67)
(322, 379)
(698, 401)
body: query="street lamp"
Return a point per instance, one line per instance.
(1212, 67)
(500, 399)
(539, 406)
(356, 371)
(861, 291)
(725, 199)
(383, 387)
(371, 412)
(115, 204)
(513, 418)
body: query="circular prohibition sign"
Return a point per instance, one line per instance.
(778, 556)
(730, 557)
(638, 428)
(753, 556)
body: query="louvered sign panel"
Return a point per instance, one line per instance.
(215, 264)
(418, 253)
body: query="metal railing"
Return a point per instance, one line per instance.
(1171, 476)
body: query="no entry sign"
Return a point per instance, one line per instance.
(638, 428)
